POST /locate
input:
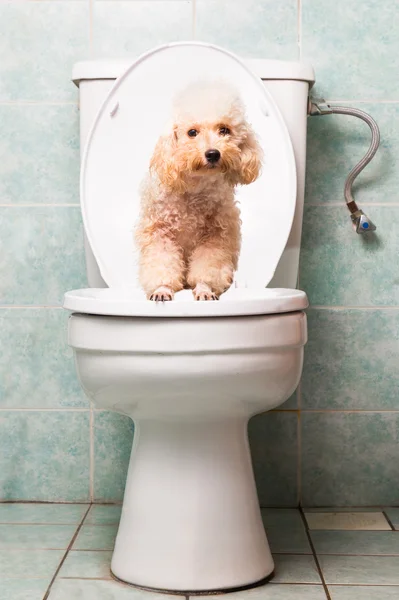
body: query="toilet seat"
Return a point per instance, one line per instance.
(235, 302)
(122, 140)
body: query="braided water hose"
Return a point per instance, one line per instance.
(319, 107)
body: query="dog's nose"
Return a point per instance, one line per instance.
(212, 156)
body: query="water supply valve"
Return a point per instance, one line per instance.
(361, 222)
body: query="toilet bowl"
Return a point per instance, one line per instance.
(190, 374)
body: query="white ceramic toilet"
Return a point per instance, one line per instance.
(190, 374)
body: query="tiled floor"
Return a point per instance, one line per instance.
(63, 552)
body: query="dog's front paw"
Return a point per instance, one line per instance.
(203, 292)
(162, 294)
(205, 296)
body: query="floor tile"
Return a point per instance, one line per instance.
(355, 521)
(48, 537)
(361, 570)
(22, 564)
(355, 542)
(354, 592)
(96, 537)
(277, 592)
(293, 568)
(68, 589)
(104, 515)
(285, 531)
(86, 564)
(26, 589)
(273, 438)
(42, 513)
(393, 516)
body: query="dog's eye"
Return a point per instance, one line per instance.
(224, 131)
(192, 132)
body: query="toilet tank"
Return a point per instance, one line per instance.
(288, 83)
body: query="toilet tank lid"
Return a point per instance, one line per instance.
(264, 68)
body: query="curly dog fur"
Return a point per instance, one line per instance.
(188, 233)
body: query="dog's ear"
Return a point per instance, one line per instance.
(251, 158)
(163, 160)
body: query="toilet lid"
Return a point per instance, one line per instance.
(122, 141)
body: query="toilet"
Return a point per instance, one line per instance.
(190, 374)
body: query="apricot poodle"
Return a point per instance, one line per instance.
(188, 234)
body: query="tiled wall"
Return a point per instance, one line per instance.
(336, 442)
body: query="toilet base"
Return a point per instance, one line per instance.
(191, 519)
(195, 592)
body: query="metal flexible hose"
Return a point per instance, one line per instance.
(375, 142)
(318, 107)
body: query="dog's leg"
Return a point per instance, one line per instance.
(161, 269)
(211, 271)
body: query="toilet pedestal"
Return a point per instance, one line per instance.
(191, 519)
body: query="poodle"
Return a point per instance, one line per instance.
(188, 233)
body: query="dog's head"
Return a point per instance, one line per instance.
(210, 135)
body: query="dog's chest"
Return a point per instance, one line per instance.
(193, 222)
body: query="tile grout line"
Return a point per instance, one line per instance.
(364, 585)
(346, 411)
(77, 204)
(289, 411)
(91, 437)
(388, 520)
(334, 204)
(80, 410)
(36, 103)
(22, 102)
(194, 19)
(330, 410)
(352, 554)
(299, 28)
(305, 524)
(376, 507)
(41, 205)
(311, 307)
(76, 551)
(350, 307)
(71, 543)
(40, 524)
(362, 101)
(46, 503)
(299, 445)
(33, 306)
(91, 18)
